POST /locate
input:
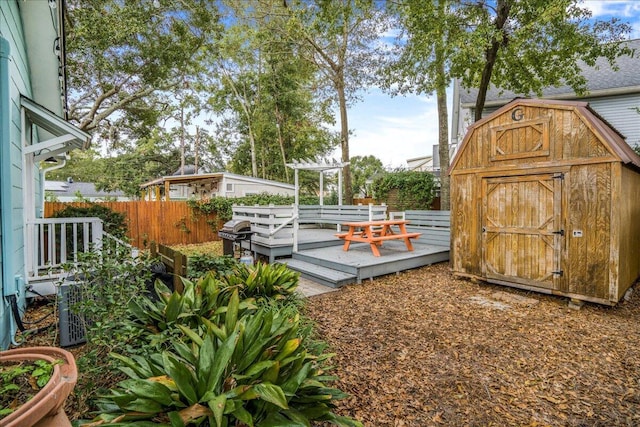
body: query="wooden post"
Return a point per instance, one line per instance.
(167, 189)
(154, 249)
(179, 265)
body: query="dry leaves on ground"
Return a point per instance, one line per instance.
(422, 348)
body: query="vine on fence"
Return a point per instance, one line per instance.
(223, 206)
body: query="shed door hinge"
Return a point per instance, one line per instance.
(558, 175)
(559, 273)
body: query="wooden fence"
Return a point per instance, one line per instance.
(168, 223)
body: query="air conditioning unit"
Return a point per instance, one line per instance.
(71, 325)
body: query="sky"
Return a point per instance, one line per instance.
(395, 129)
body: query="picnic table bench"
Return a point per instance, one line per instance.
(376, 232)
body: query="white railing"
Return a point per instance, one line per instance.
(55, 242)
(272, 225)
(278, 225)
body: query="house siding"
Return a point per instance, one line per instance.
(620, 113)
(11, 30)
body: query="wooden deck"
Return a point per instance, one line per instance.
(320, 257)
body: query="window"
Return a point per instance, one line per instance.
(228, 187)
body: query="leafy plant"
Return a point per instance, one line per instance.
(113, 222)
(223, 206)
(20, 381)
(106, 284)
(202, 302)
(200, 264)
(263, 281)
(416, 190)
(249, 369)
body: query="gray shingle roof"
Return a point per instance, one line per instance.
(600, 78)
(70, 189)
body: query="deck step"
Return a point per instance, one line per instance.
(317, 273)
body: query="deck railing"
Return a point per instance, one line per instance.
(53, 243)
(278, 225)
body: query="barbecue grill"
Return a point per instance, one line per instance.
(234, 231)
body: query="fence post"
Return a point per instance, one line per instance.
(179, 263)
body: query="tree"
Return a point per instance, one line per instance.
(529, 45)
(363, 170)
(341, 37)
(432, 35)
(125, 58)
(265, 94)
(522, 46)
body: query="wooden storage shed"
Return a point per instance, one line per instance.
(546, 196)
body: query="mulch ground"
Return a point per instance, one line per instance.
(423, 348)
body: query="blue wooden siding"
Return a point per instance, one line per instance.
(11, 30)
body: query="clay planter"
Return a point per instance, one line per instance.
(46, 408)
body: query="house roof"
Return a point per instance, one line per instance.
(217, 176)
(610, 136)
(70, 189)
(602, 80)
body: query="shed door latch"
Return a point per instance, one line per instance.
(560, 232)
(559, 273)
(558, 175)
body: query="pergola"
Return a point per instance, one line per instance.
(319, 166)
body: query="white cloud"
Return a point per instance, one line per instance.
(393, 129)
(616, 8)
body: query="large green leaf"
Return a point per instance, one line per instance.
(148, 389)
(288, 348)
(223, 355)
(271, 393)
(232, 312)
(217, 406)
(193, 335)
(173, 308)
(206, 360)
(182, 376)
(141, 404)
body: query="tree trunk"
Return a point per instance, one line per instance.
(344, 141)
(443, 142)
(491, 54)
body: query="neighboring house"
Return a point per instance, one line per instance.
(420, 164)
(612, 93)
(71, 191)
(33, 134)
(208, 185)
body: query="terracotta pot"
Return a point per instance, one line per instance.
(46, 408)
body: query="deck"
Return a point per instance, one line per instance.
(320, 257)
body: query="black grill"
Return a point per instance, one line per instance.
(234, 231)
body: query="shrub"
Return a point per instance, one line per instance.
(263, 281)
(247, 368)
(416, 190)
(222, 206)
(201, 264)
(113, 222)
(107, 284)
(202, 302)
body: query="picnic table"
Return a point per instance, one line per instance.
(376, 232)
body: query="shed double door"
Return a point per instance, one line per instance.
(522, 229)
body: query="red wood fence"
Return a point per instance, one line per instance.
(167, 223)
